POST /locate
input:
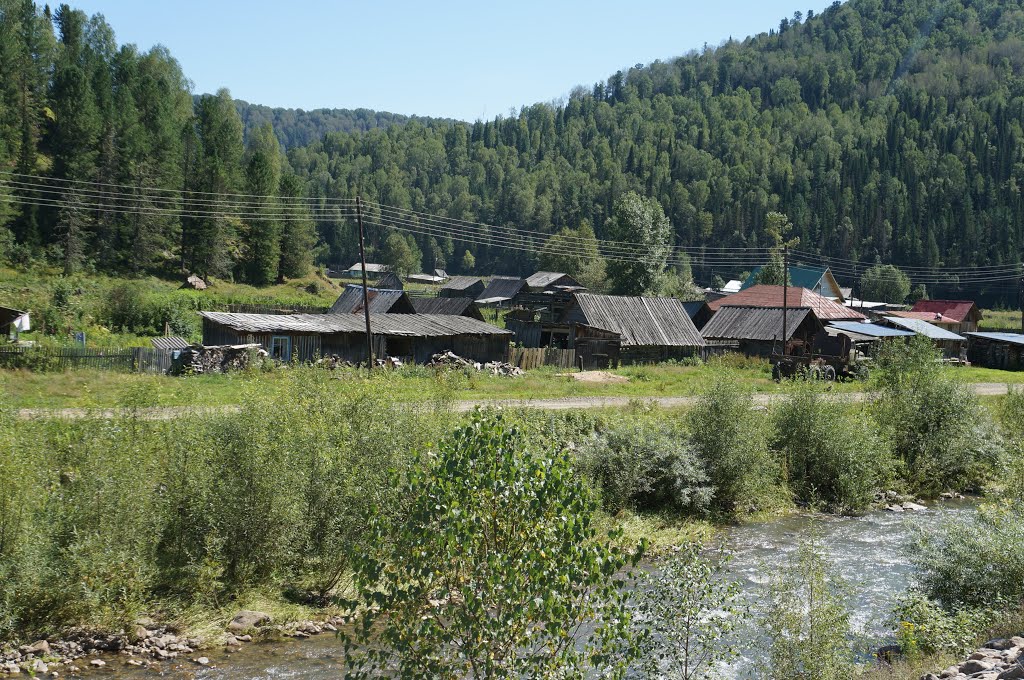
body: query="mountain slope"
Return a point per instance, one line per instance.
(884, 129)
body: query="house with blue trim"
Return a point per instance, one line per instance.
(820, 280)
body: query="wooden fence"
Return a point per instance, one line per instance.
(129, 360)
(535, 357)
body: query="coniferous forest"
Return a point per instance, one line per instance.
(886, 130)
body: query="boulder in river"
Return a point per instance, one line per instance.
(247, 619)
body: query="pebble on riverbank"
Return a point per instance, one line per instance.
(146, 643)
(999, 659)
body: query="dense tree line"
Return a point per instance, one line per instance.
(883, 129)
(295, 127)
(117, 137)
(886, 131)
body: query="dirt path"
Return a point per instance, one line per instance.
(558, 404)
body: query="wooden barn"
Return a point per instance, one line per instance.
(389, 281)
(462, 286)
(996, 350)
(303, 337)
(964, 312)
(610, 329)
(447, 307)
(501, 289)
(757, 331)
(381, 301)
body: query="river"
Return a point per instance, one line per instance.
(868, 551)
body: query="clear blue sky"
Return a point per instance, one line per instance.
(464, 59)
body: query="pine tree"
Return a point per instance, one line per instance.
(263, 233)
(298, 235)
(73, 224)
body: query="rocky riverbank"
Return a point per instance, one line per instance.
(999, 659)
(147, 643)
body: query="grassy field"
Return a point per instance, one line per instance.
(1000, 320)
(89, 388)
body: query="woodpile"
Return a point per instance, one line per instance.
(218, 358)
(452, 360)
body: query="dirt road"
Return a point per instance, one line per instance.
(560, 404)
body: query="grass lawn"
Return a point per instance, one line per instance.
(1000, 320)
(89, 388)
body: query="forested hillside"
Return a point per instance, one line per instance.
(884, 129)
(295, 127)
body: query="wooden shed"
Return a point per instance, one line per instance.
(447, 307)
(501, 289)
(462, 286)
(996, 350)
(542, 281)
(413, 337)
(649, 329)
(757, 331)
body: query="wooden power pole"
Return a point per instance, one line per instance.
(366, 295)
(785, 296)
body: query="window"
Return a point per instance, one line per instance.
(281, 348)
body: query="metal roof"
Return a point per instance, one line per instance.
(869, 330)
(1011, 338)
(412, 325)
(955, 309)
(381, 301)
(370, 268)
(169, 343)
(771, 296)
(505, 287)
(462, 282)
(641, 321)
(923, 328)
(929, 317)
(800, 277)
(753, 323)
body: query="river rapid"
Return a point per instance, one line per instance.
(868, 551)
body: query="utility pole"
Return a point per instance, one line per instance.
(1020, 302)
(785, 296)
(366, 296)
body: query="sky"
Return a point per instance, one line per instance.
(461, 59)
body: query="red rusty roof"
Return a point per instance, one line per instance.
(771, 296)
(959, 310)
(930, 317)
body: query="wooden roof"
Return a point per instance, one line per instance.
(754, 323)
(462, 282)
(771, 296)
(502, 287)
(456, 306)
(541, 280)
(639, 321)
(381, 301)
(411, 325)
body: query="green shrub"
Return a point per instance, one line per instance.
(645, 465)
(974, 560)
(492, 572)
(124, 308)
(937, 427)
(833, 455)
(924, 628)
(804, 614)
(731, 438)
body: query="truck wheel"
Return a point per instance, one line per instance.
(830, 373)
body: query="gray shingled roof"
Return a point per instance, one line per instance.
(413, 325)
(171, 342)
(542, 280)
(461, 282)
(381, 301)
(753, 323)
(641, 321)
(456, 306)
(502, 288)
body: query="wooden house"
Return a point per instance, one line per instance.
(381, 301)
(542, 281)
(757, 331)
(611, 329)
(798, 298)
(303, 337)
(462, 286)
(953, 346)
(964, 312)
(389, 281)
(373, 271)
(819, 280)
(501, 289)
(699, 311)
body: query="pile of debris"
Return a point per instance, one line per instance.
(218, 358)
(332, 362)
(450, 359)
